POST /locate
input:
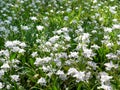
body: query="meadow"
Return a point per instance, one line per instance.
(59, 45)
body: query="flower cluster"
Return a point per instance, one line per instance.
(59, 45)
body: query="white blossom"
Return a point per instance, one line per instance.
(15, 77)
(42, 81)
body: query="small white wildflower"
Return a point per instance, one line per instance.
(22, 44)
(9, 44)
(49, 44)
(21, 51)
(80, 76)
(106, 29)
(33, 18)
(85, 37)
(88, 53)
(34, 54)
(5, 52)
(1, 72)
(61, 74)
(95, 46)
(47, 59)
(105, 87)
(72, 71)
(8, 86)
(46, 68)
(63, 55)
(54, 39)
(1, 85)
(38, 61)
(106, 37)
(104, 77)
(73, 55)
(42, 81)
(92, 64)
(109, 44)
(25, 28)
(118, 42)
(66, 18)
(110, 65)
(111, 56)
(57, 61)
(49, 74)
(16, 42)
(87, 76)
(68, 10)
(95, 1)
(113, 9)
(67, 37)
(116, 26)
(39, 28)
(15, 77)
(118, 52)
(94, 31)
(68, 62)
(16, 49)
(5, 66)
(15, 61)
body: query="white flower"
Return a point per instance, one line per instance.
(63, 55)
(8, 44)
(1, 85)
(34, 54)
(16, 42)
(111, 56)
(116, 26)
(95, 46)
(109, 44)
(39, 28)
(61, 74)
(88, 53)
(67, 37)
(15, 77)
(66, 18)
(118, 52)
(22, 44)
(33, 18)
(2, 73)
(110, 65)
(49, 44)
(16, 49)
(105, 87)
(92, 64)
(113, 9)
(106, 29)
(21, 51)
(25, 28)
(80, 76)
(47, 59)
(4, 52)
(42, 81)
(38, 61)
(87, 76)
(104, 77)
(5, 66)
(54, 39)
(73, 55)
(85, 37)
(72, 71)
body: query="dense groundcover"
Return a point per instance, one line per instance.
(59, 45)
